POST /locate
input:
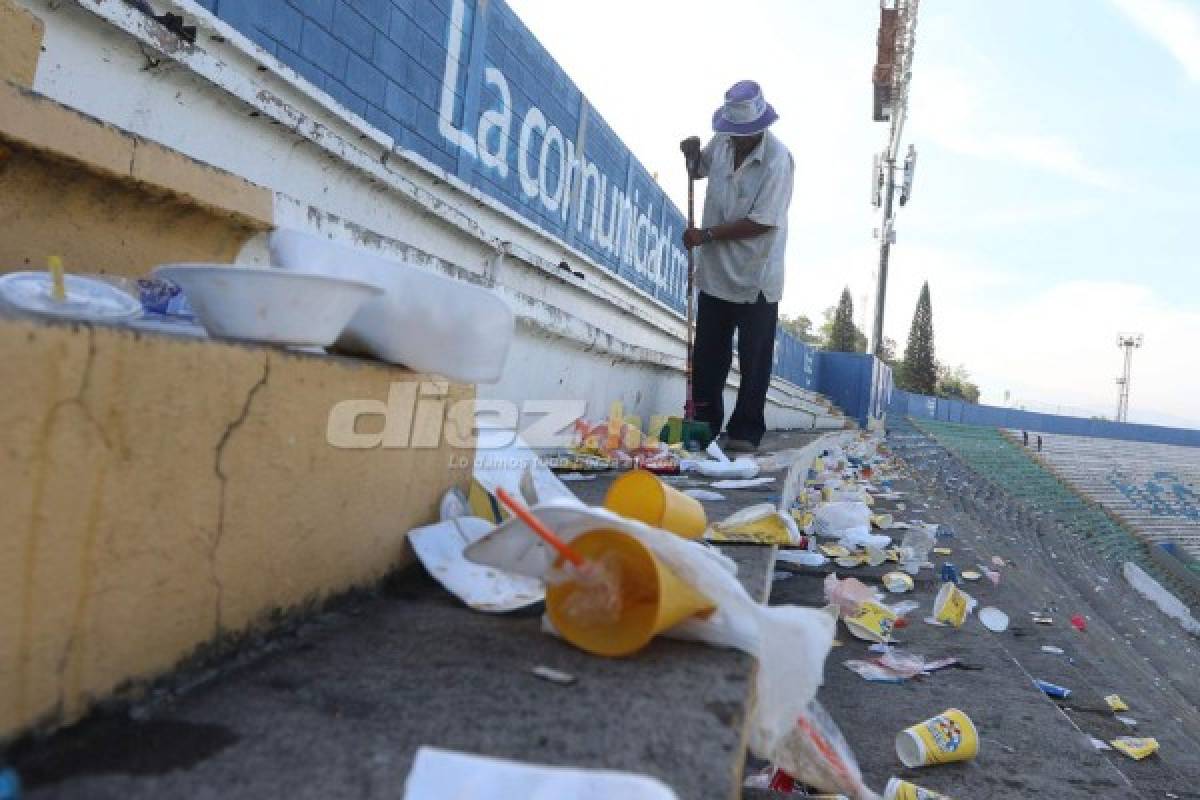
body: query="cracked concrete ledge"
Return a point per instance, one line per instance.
(157, 493)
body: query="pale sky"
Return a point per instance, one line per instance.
(1054, 189)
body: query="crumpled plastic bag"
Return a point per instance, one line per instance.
(790, 642)
(848, 594)
(859, 539)
(743, 468)
(842, 519)
(814, 751)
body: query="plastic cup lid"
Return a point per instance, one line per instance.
(87, 298)
(993, 619)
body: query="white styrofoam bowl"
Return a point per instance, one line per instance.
(261, 304)
(426, 321)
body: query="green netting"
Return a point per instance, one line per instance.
(1010, 467)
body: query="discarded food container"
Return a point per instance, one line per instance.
(1115, 702)
(642, 496)
(949, 574)
(423, 319)
(874, 622)
(898, 582)
(639, 596)
(261, 304)
(1135, 747)
(1079, 623)
(948, 737)
(1052, 689)
(951, 605)
(903, 790)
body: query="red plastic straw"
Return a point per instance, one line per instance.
(522, 513)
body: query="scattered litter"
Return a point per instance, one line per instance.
(801, 558)
(997, 561)
(1079, 623)
(815, 753)
(437, 774)
(554, 675)
(1130, 721)
(744, 468)
(942, 551)
(747, 483)
(757, 524)
(714, 451)
(782, 575)
(1040, 620)
(874, 622)
(895, 666)
(948, 737)
(1135, 747)
(699, 494)
(642, 495)
(575, 477)
(1099, 744)
(1049, 648)
(898, 582)
(1052, 689)
(971, 575)
(1116, 703)
(993, 619)
(842, 519)
(897, 789)
(454, 505)
(440, 549)
(992, 575)
(952, 605)
(848, 594)
(934, 621)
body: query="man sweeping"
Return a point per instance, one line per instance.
(739, 255)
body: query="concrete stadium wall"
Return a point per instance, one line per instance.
(938, 408)
(157, 493)
(301, 122)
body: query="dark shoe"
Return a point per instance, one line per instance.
(732, 445)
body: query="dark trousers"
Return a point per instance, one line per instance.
(716, 322)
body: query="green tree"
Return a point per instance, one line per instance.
(955, 384)
(799, 326)
(843, 333)
(919, 370)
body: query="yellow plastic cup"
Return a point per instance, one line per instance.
(652, 598)
(903, 790)
(873, 622)
(948, 737)
(640, 495)
(950, 605)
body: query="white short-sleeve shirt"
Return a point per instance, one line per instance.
(760, 190)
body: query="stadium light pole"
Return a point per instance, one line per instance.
(891, 77)
(1127, 342)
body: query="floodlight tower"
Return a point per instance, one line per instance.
(1127, 342)
(891, 78)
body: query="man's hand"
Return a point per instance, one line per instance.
(694, 237)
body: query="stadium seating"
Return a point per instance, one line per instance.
(1152, 488)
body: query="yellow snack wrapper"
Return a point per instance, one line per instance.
(1135, 747)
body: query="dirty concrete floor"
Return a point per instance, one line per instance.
(336, 705)
(1032, 746)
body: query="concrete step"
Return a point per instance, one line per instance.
(338, 705)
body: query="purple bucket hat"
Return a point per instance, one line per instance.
(746, 112)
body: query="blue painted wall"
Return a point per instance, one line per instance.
(925, 407)
(465, 85)
(858, 383)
